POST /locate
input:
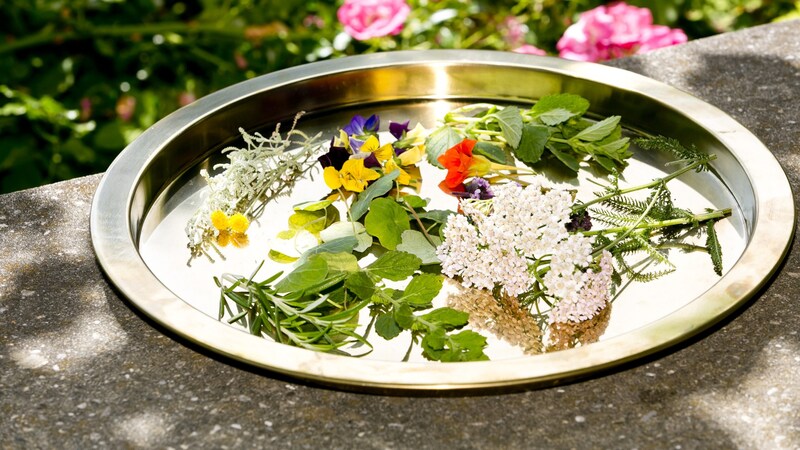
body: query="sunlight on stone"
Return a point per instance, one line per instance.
(145, 429)
(88, 335)
(764, 410)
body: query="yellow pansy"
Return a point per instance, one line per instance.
(391, 166)
(372, 145)
(412, 155)
(353, 177)
(419, 133)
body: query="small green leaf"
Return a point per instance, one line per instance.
(558, 108)
(598, 130)
(386, 220)
(308, 274)
(280, 257)
(360, 284)
(380, 187)
(311, 221)
(510, 121)
(447, 318)
(531, 146)
(422, 289)
(387, 327)
(464, 346)
(414, 242)
(436, 215)
(340, 262)
(439, 142)
(714, 248)
(345, 244)
(492, 152)
(404, 317)
(313, 205)
(415, 201)
(565, 158)
(394, 265)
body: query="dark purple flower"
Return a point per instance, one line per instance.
(335, 157)
(371, 161)
(579, 222)
(397, 129)
(478, 188)
(359, 126)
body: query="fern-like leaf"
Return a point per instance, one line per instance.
(673, 147)
(714, 248)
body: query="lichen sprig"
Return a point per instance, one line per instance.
(263, 169)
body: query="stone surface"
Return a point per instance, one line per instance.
(79, 368)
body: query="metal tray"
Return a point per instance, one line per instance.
(152, 188)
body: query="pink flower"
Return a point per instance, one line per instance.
(365, 19)
(530, 50)
(613, 31)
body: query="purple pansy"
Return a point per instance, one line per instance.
(398, 128)
(359, 126)
(478, 188)
(335, 157)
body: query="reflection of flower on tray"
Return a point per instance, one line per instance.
(527, 259)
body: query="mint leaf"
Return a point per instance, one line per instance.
(464, 346)
(598, 130)
(532, 143)
(510, 121)
(565, 158)
(436, 215)
(387, 327)
(378, 188)
(308, 274)
(313, 205)
(404, 317)
(558, 108)
(386, 220)
(360, 284)
(394, 265)
(414, 242)
(616, 150)
(492, 152)
(439, 142)
(421, 290)
(447, 318)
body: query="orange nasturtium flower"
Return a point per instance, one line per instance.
(462, 164)
(353, 176)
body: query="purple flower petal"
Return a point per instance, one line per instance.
(355, 144)
(372, 124)
(335, 157)
(478, 188)
(356, 126)
(397, 129)
(371, 161)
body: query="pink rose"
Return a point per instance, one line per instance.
(530, 50)
(365, 19)
(613, 31)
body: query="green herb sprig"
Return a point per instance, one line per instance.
(317, 305)
(554, 129)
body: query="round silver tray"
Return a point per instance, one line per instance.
(154, 182)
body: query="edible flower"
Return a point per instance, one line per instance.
(353, 176)
(231, 229)
(462, 164)
(382, 153)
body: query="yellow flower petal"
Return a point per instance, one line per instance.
(224, 238)
(344, 139)
(418, 134)
(354, 176)
(370, 145)
(238, 223)
(220, 220)
(331, 177)
(384, 153)
(412, 155)
(404, 178)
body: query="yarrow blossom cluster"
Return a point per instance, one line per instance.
(366, 19)
(517, 236)
(613, 31)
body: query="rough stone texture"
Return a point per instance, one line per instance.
(80, 369)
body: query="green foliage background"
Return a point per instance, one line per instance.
(80, 79)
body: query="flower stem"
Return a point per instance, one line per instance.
(713, 215)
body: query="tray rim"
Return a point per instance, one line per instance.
(117, 250)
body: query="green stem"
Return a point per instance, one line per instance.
(628, 230)
(656, 182)
(718, 214)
